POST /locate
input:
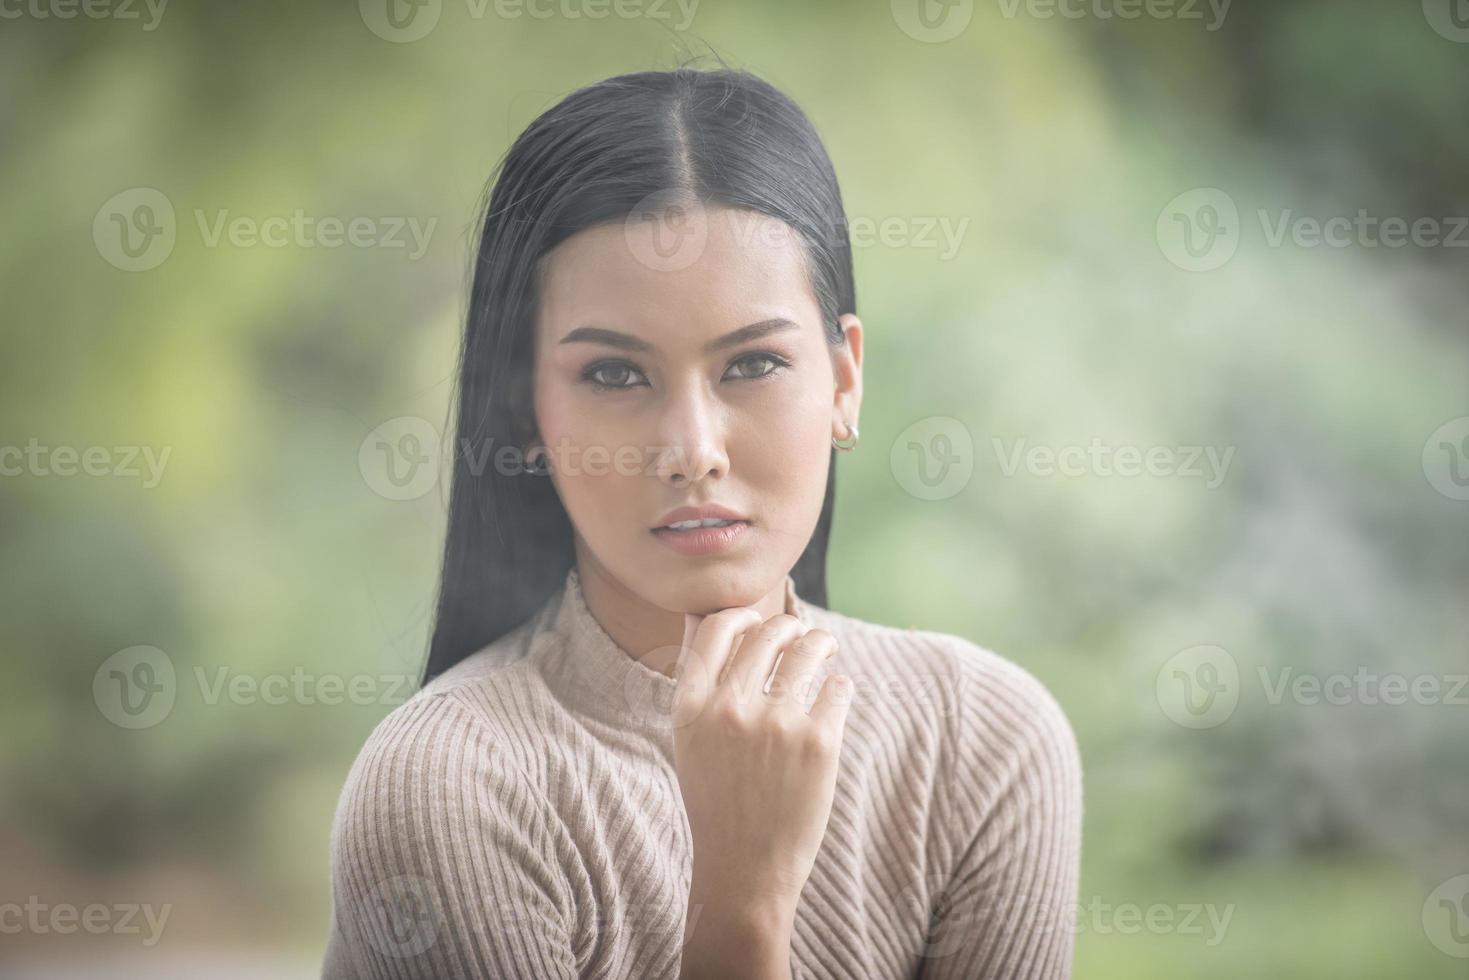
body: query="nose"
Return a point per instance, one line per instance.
(691, 439)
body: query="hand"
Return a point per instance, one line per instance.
(756, 770)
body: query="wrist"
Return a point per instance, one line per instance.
(744, 937)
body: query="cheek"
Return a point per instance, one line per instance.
(784, 469)
(806, 417)
(596, 461)
(783, 444)
(567, 413)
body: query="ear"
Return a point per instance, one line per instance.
(847, 367)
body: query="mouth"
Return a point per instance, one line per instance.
(701, 531)
(684, 518)
(694, 525)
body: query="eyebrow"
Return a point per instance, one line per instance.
(626, 341)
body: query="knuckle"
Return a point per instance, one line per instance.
(787, 727)
(767, 631)
(730, 616)
(777, 626)
(820, 742)
(725, 710)
(814, 641)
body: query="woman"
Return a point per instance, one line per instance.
(643, 747)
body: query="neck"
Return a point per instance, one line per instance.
(638, 626)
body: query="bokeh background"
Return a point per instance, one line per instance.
(1129, 421)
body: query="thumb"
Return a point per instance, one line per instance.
(691, 623)
(690, 627)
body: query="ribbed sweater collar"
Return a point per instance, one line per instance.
(594, 676)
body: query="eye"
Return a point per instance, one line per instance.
(776, 361)
(619, 375)
(613, 375)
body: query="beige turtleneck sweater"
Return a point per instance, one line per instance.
(521, 817)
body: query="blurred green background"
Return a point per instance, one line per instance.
(1095, 289)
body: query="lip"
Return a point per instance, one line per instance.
(700, 513)
(700, 541)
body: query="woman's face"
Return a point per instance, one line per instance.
(680, 361)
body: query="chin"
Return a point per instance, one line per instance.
(707, 590)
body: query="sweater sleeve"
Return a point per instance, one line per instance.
(442, 859)
(1008, 906)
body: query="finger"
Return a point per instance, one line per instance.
(709, 648)
(691, 623)
(833, 702)
(800, 665)
(780, 659)
(750, 665)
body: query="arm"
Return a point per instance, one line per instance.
(723, 939)
(1008, 908)
(757, 772)
(441, 859)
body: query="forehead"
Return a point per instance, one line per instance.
(689, 275)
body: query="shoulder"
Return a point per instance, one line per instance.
(435, 784)
(447, 746)
(991, 711)
(486, 700)
(456, 741)
(456, 731)
(435, 815)
(416, 770)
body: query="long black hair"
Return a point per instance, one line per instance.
(721, 137)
